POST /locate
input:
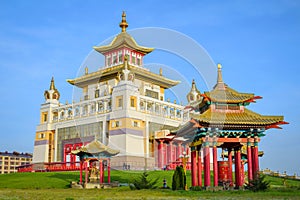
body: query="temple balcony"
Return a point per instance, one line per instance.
(102, 105)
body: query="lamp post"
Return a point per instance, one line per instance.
(184, 158)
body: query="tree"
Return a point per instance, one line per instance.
(258, 183)
(179, 179)
(143, 182)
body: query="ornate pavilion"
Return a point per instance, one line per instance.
(221, 120)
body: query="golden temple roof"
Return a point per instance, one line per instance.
(123, 40)
(222, 93)
(228, 95)
(97, 148)
(247, 117)
(111, 73)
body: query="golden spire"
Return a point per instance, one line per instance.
(193, 85)
(124, 23)
(220, 79)
(52, 86)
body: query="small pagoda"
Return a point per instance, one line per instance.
(94, 158)
(220, 119)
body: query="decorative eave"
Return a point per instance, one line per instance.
(239, 119)
(96, 148)
(111, 73)
(229, 95)
(123, 40)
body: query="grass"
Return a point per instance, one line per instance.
(55, 185)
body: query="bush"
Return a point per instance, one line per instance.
(143, 182)
(258, 183)
(179, 179)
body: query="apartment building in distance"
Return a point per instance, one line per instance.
(9, 162)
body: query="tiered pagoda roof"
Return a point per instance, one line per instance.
(224, 108)
(123, 40)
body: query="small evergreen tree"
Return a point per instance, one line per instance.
(143, 182)
(258, 183)
(179, 179)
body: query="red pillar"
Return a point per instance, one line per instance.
(178, 150)
(237, 159)
(249, 160)
(170, 152)
(103, 169)
(80, 166)
(206, 165)
(255, 158)
(230, 166)
(86, 171)
(165, 154)
(160, 154)
(242, 173)
(215, 165)
(108, 170)
(100, 171)
(194, 168)
(199, 168)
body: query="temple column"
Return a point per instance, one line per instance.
(103, 169)
(108, 170)
(178, 149)
(199, 168)
(160, 154)
(255, 158)
(249, 159)
(237, 159)
(215, 164)
(165, 155)
(242, 172)
(194, 167)
(80, 176)
(206, 157)
(170, 152)
(100, 171)
(86, 171)
(230, 166)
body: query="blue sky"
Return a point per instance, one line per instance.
(256, 42)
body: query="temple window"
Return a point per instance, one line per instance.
(132, 101)
(97, 93)
(139, 61)
(120, 57)
(119, 101)
(133, 60)
(221, 106)
(108, 60)
(135, 124)
(115, 61)
(45, 116)
(152, 94)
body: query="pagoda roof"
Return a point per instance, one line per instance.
(96, 148)
(226, 94)
(243, 118)
(123, 40)
(222, 93)
(112, 72)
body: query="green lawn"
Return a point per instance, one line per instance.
(55, 185)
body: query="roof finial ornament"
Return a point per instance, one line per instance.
(123, 23)
(220, 79)
(52, 86)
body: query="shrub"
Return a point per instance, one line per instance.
(143, 182)
(179, 179)
(258, 183)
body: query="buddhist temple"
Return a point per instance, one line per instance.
(124, 113)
